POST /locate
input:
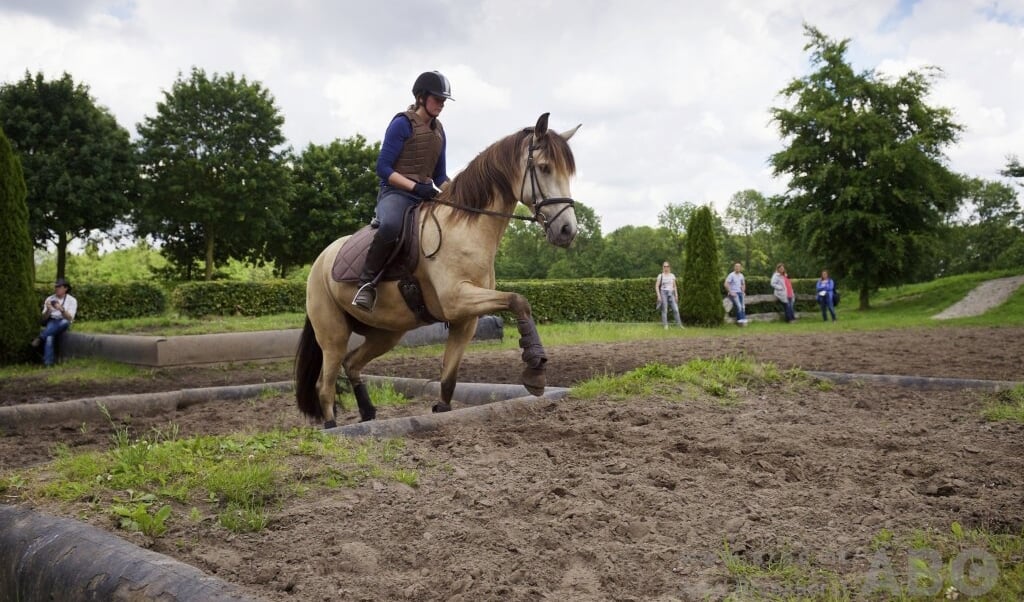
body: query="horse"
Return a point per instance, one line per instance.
(459, 234)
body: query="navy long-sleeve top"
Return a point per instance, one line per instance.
(400, 130)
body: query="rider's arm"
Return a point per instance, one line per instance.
(399, 130)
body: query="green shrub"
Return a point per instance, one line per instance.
(228, 298)
(18, 318)
(108, 301)
(700, 288)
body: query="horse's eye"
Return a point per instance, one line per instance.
(544, 168)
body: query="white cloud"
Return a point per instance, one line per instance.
(674, 97)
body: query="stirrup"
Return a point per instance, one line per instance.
(366, 297)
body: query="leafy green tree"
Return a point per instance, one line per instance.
(635, 252)
(1014, 169)
(868, 183)
(525, 253)
(700, 294)
(79, 164)
(17, 298)
(989, 238)
(674, 218)
(335, 194)
(747, 213)
(216, 183)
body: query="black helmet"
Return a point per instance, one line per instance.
(432, 82)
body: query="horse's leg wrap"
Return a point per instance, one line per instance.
(366, 409)
(533, 356)
(529, 342)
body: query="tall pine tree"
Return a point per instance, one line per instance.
(17, 298)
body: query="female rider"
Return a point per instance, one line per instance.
(411, 166)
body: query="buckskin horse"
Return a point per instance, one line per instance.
(455, 240)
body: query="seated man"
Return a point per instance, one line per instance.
(59, 310)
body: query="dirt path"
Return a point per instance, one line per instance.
(609, 499)
(983, 298)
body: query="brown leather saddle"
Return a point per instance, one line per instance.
(348, 263)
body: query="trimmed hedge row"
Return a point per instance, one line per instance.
(228, 298)
(112, 301)
(577, 300)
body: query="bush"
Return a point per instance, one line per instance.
(112, 301)
(227, 298)
(18, 318)
(700, 289)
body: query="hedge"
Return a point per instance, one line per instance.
(576, 300)
(112, 301)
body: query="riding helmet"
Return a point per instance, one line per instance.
(432, 82)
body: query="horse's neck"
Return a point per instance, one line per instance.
(463, 244)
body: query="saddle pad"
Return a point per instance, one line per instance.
(348, 263)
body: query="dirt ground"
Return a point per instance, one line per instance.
(618, 500)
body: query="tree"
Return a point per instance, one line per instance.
(79, 164)
(216, 184)
(18, 318)
(674, 218)
(747, 214)
(1014, 169)
(524, 252)
(700, 297)
(635, 252)
(868, 185)
(335, 195)
(989, 238)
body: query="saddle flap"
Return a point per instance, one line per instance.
(348, 263)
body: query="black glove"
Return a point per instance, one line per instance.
(424, 191)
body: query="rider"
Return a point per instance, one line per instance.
(411, 166)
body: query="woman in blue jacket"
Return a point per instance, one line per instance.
(826, 289)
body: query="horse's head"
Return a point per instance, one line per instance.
(548, 165)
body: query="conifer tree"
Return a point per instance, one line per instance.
(17, 298)
(700, 290)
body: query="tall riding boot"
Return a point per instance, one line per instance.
(376, 257)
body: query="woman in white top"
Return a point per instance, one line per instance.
(668, 295)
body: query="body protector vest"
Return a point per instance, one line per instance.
(421, 151)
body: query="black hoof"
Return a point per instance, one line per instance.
(330, 424)
(441, 407)
(368, 416)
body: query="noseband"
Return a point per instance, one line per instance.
(535, 190)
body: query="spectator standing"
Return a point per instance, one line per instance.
(668, 294)
(825, 288)
(736, 286)
(59, 311)
(782, 288)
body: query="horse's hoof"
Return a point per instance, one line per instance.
(330, 424)
(371, 415)
(534, 381)
(441, 407)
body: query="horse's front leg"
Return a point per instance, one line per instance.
(476, 301)
(459, 335)
(533, 377)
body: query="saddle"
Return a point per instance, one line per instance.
(348, 263)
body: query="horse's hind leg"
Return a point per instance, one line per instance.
(377, 343)
(459, 335)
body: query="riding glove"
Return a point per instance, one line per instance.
(424, 191)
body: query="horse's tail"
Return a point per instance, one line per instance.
(309, 360)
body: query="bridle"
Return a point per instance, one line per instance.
(535, 190)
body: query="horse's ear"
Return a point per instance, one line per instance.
(542, 126)
(568, 133)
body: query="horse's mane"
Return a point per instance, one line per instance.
(494, 174)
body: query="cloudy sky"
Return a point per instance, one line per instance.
(674, 96)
